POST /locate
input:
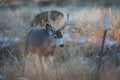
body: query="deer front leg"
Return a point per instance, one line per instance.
(52, 60)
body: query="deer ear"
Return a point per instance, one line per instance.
(53, 30)
(48, 26)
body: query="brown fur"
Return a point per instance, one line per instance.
(38, 41)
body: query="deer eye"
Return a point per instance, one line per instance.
(55, 36)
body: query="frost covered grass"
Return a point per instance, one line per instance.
(82, 44)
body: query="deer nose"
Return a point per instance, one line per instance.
(62, 45)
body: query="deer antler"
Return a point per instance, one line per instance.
(49, 20)
(66, 23)
(49, 14)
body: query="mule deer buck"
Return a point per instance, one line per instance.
(43, 42)
(47, 16)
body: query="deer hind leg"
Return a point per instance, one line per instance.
(28, 56)
(24, 62)
(52, 60)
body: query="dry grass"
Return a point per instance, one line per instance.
(80, 59)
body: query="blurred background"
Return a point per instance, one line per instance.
(17, 3)
(79, 59)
